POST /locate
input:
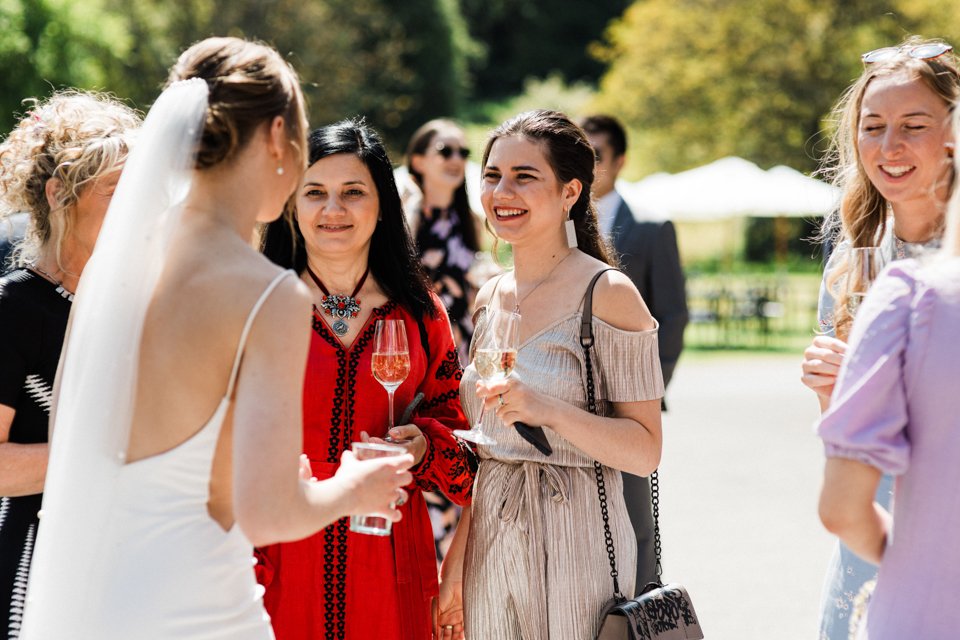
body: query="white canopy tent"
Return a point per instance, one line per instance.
(728, 188)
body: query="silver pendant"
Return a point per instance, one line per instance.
(340, 328)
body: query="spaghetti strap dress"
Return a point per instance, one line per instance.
(173, 571)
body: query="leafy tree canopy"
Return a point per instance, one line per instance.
(397, 63)
(696, 80)
(47, 44)
(521, 38)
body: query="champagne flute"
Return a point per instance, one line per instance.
(391, 358)
(494, 359)
(863, 269)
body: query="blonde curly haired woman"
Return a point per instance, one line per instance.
(60, 166)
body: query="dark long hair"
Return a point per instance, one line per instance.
(393, 258)
(418, 145)
(570, 156)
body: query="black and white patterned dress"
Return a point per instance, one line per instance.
(33, 320)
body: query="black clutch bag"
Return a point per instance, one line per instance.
(660, 612)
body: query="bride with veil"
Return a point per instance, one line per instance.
(177, 426)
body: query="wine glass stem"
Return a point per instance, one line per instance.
(479, 424)
(390, 392)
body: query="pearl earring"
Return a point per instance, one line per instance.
(280, 170)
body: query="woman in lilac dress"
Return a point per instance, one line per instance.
(894, 411)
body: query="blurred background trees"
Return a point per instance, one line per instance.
(695, 80)
(698, 80)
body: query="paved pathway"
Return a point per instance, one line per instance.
(740, 478)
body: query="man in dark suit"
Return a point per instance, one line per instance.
(649, 256)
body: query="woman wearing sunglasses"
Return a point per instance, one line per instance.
(443, 224)
(890, 159)
(447, 240)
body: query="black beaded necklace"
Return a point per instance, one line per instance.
(339, 306)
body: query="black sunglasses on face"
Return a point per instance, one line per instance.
(447, 152)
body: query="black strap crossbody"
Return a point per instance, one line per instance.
(660, 612)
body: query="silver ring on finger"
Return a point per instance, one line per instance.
(402, 499)
(500, 399)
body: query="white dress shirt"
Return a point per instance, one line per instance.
(607, 207)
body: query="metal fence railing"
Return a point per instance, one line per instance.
(751, 311)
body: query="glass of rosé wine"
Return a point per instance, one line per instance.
(391, 358)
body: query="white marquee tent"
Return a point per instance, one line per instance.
(728, 188)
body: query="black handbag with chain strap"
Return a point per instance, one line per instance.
(660, 612)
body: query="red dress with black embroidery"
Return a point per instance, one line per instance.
(338, 584)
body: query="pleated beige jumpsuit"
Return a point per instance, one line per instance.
(536, 562)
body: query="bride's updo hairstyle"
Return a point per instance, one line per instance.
(249, 84)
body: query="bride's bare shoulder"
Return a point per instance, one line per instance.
(218, 282)
(248, 278)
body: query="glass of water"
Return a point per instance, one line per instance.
(373, 524)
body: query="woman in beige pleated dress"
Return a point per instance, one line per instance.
(535, 565)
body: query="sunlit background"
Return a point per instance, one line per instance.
(695, 81)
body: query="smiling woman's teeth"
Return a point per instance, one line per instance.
(509, 213)
(896, 171)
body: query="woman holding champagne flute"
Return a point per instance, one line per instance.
(535, 563)
(891, 160)
(379, 335)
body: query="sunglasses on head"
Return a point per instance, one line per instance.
(919, 51)
(447, 152)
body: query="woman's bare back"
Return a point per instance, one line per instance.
(191, 333)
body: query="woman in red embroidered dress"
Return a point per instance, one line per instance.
(347, 238)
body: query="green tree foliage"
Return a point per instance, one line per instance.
(399, 64)
(523, 38)
(697, 80)
(51, 44)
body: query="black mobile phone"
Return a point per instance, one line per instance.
(535, 436)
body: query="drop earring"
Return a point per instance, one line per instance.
(571, 230)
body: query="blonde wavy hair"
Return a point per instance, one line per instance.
(74, 136)
(863, 210)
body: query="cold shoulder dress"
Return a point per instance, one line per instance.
(536, 565)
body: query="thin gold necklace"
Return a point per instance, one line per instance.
(542, 280)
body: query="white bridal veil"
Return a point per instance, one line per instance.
(98, 377)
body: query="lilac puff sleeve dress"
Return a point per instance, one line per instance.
(896, 408)
(850, 580)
